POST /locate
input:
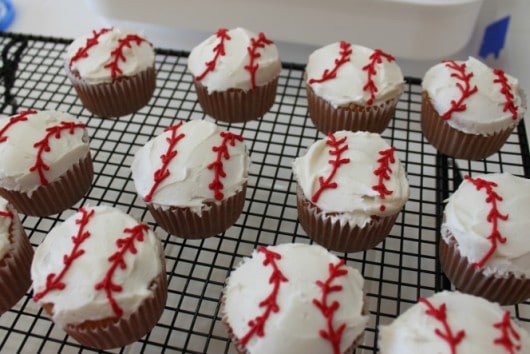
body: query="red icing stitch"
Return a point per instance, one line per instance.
(257, 325)
(21, 117)
(163, 172)
(252, 49)
(509, 335)
(54, 281)
(219, 51)
(375, 58)
(43, 146)
(331, 334)
(506, 90)
(337, 151)
(90, 42)
(383, 173)
(6, 214)
(463, 84)
(493, 217)
(117, 54)
(117, 260)
(345, 52)
(217, 166)
(440, 314)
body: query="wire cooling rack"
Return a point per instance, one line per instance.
(397, 271)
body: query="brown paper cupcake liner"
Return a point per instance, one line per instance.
(56, 196)
(321, 228)
(235, 105)
(505, 290)
(213, 219)
(455, 143)
(327, 118)
(125, 330)
(15, 276)
(118, 98)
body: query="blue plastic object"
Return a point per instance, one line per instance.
(7, 14)
(494, 38)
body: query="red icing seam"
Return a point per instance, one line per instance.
(463, 84)
(21, 117)
(117, 260)
(331, 334)
(43, 146)
(338, 147)
(375, 58)
(383, 173)
(6, 214)
(90, 42)
(493, 217)
(257, 325)
(117, 54)
(345, 52)
(219, 51)
(509, 335)
(217, 166)
(54, 281)
(440, 314)
(163, 172)
(252, 50)
(506, 90)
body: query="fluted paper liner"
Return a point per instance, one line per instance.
(213, 219)
(321, 228)
(236, 105)
(15, 276)
(505, 290)
(452, 142)
(120, 97)
(57, 195)
(326, 118)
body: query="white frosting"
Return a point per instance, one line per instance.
(5, 224)
(347, 86)
(484, 109)
(413, 332)
(79, 301)
(230, 69)
(354, 200)
(188, 182)
(19, 154)
(295, 327)
(138, 57)
(465, 218)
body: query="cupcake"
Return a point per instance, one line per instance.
(193, 178)
(112, 71)
(351, 187)
(294, 298)
(351, 87)
(46, 165)
(101, 276)
(16, 254)
(468, 109)
(484, 248)
(235, 74)
(453, 322)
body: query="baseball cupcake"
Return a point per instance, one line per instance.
(468, 109)
(235, 74)
(100, 275)
(484, 248)
(193, 178)
(351, 187)
(452, 322)
(46, 166)
(112, 71)
(351, 87)
(294, 298)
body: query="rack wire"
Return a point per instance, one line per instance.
(397, 271)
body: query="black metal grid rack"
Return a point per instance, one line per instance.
(397, 271)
